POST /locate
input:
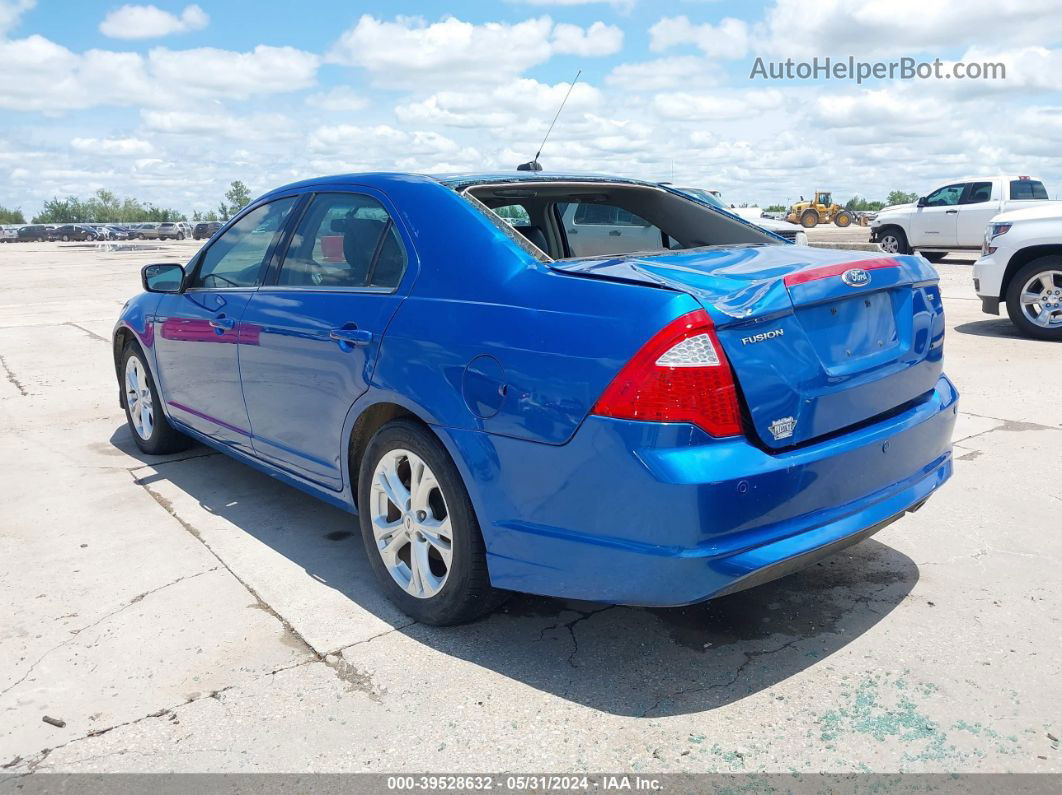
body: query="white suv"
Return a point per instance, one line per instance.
(1021, 266)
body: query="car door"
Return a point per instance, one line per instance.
(935, 225)
(311, 334)
(195, 331)
(978, 205)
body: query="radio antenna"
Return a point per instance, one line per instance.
(534, 165)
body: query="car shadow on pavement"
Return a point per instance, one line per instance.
(996, 327)
(621, 660)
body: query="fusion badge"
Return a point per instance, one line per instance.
(765, 335)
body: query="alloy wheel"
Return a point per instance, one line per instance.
(890, 244)
(1041, 299)
(411, 523)
(138, 398)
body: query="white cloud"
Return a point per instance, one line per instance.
(523, 102)
(598, 39)
(11, 12)
(211, 72)
(411, 53)
(206, 123)
(112, 146)
(348, 147)
(339, 99)
(687, 106)
(728, 39)
(662, 73)
(42, 75)
(894, 27)
(149, 22)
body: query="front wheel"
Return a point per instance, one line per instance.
(1034, 299)
(842, 219)
(180, 235)
(66, 238)
(893, 241)
(151, 430)
(809, 219)
(420, 530)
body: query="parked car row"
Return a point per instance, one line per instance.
(148, 230)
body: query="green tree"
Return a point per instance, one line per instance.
(859, 204)
(237, 197)
(899, 197)
(11, 216)
(775, 208)
(103, 206)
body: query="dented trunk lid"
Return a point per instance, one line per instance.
(820, 340)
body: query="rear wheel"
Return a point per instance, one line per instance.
(1034, 299)
(66, 238)
(419, 528)
(180, 235)
(809, 219)
(842, 219)
(151, 430)
(893, 241)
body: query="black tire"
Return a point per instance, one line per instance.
(66, 238)
(842, 219)
(466, 593)
(934, 256)
(140, 237)
(180, 235)
(164, 438)
(809, 219)
(1051, 262)
(896, 234)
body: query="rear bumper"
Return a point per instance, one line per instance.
(654, 514)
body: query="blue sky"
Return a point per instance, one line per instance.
(171, 101)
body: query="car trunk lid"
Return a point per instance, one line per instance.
(820, 340)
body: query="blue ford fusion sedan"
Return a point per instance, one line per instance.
(575, 386)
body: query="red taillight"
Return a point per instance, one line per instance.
(680, 375)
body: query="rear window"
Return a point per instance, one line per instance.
(1028, 189)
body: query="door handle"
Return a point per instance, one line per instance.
(573, 231)
(350, 335)
(614, 233)
(950, 212)
(220, 323)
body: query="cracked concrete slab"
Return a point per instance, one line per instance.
(157, 604)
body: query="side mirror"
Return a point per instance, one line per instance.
(167, 277)
(921, 201)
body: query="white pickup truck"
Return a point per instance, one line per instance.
(954, 216)
(1021, 266)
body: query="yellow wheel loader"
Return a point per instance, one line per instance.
(820, 211)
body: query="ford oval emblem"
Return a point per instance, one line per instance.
(856, 277)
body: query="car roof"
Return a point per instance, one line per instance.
(457, 181)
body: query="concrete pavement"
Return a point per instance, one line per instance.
(190, 614)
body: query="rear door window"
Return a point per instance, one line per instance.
(977, 192)
(344, 240)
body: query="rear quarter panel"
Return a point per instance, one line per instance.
(492, 339)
